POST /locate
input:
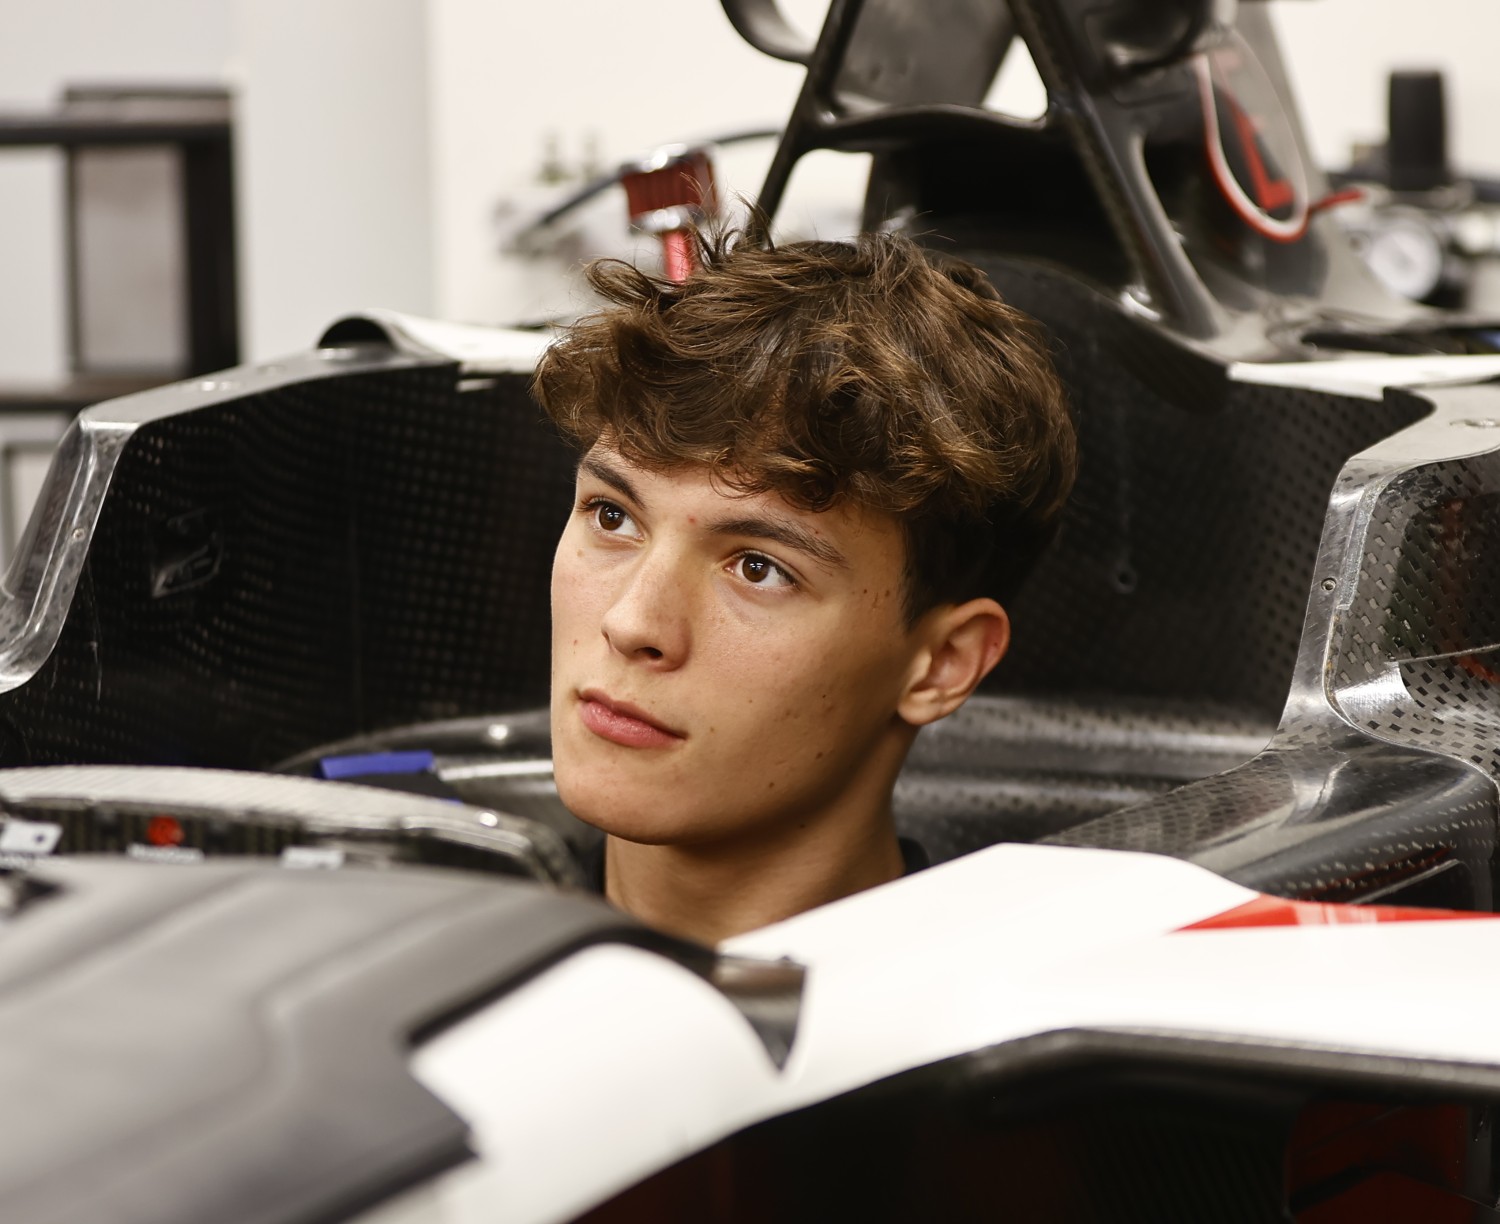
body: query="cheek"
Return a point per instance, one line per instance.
(572, 592)
(797, 694)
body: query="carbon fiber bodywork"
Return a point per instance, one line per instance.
(1267, 640)
(1107, 1127)
(111, 809)
(1381, 779)
(352, 539)
(1186, 551)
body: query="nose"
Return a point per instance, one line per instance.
(648, 620)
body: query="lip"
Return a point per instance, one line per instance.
(623, 723)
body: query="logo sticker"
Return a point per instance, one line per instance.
(29, 837)
(312, 858)
(164, 854)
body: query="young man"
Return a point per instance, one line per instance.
(809, 474)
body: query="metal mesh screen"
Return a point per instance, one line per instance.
(1417, 653)
(1186, 553)
(298, 566)
(1403, 799)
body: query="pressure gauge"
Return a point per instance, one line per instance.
(1405, 250)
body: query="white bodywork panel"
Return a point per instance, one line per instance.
(616, 1063)
(1368, 377)
(479, 349)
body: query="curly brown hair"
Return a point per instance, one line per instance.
(871, 370)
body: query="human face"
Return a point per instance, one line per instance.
(722, 664)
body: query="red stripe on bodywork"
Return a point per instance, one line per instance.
(1274, 911)
(1270, 193)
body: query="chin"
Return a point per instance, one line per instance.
(627, 821)
(619, 810)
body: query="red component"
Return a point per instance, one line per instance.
(1270, 193)
(1274, 911)
(1349, 195)
(1454, 590)
(164, 831)
(1354, 1162)
(669, 195)
(678, 258)
(1394, 1198)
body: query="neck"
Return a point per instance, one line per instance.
(709, 893)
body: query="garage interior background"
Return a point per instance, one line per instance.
(386, 148)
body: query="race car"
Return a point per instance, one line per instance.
(294, 922)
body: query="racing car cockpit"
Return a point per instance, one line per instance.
(1266, 641)
(1269, 585)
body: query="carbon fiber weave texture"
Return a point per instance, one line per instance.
(1185, 556)
(1405, 790)
(374, 549)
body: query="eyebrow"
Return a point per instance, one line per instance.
(756, 527)
(780, 531)
(616, 480)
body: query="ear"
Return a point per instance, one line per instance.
(962, 643)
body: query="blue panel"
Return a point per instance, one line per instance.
(366, 763)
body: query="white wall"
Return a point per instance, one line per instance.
(1339, 51)
(506, 74)
(33, 322)
(603, 81)
(609, 80)
(331, 159)
(379, 137)
(332, 164)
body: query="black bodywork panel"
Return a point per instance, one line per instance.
(1107, 1127)
(228, 1042)
(302, 564)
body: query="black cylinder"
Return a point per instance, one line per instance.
(1418, 118)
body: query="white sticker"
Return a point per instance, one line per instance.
(312, 858)
(164, 854)
(29, 837)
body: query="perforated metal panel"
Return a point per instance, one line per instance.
(1414, 655)
(1382, 778)
(302, 564)
(1172, 602)
(1018, 768)
(1185, 557)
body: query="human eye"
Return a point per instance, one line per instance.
(609, 517)
(759, 570)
